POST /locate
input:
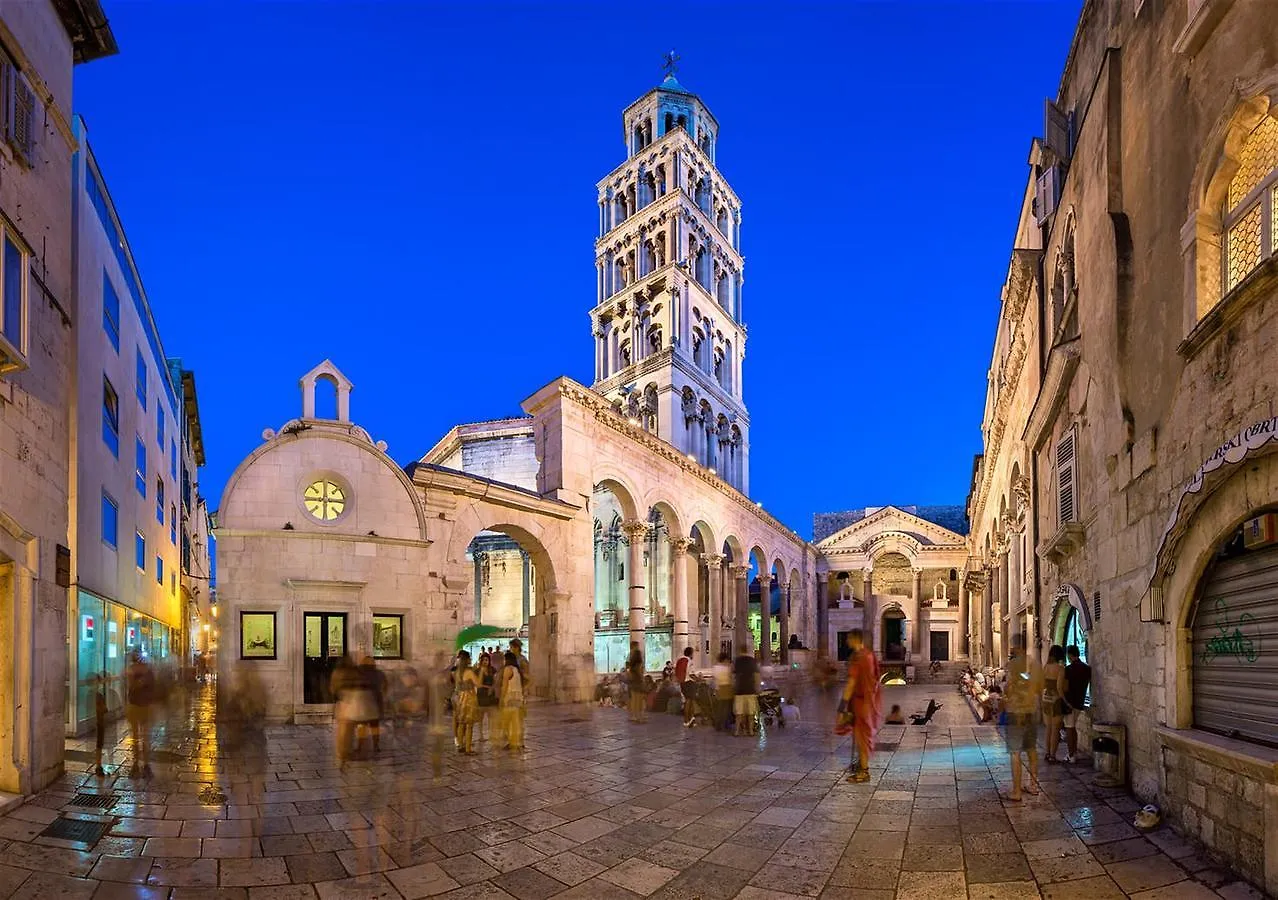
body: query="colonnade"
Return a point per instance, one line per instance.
(729, 600)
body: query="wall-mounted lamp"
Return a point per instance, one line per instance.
(288, 526)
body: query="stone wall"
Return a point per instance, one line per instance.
(35, 406)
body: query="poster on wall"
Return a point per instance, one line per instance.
(257, 635)
(388, 637)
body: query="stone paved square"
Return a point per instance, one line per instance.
(598, 807)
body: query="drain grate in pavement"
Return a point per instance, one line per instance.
(95, 801)
(80, 755)
(881, 746)
(77, 831)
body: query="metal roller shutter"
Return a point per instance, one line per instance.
(1235, 662)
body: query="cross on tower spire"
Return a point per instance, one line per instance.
(671, 63)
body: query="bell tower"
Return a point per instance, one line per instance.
(667, 322)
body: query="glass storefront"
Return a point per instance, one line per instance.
(105, 633)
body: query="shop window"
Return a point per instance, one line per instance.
(110, 520)
(110, 417)
(388, 637)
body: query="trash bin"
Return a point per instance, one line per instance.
(1109, 753)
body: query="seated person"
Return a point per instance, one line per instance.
(895, 717)
(790, 713)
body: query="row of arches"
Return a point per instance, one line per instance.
(671, 585)
(618, 205)
(713, 439)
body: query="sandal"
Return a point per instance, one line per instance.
(1009, 798)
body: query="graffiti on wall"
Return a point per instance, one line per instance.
(1238, 640)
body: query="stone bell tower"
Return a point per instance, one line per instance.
(668, 329)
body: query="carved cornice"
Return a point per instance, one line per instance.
(604, 414)
(994, 443)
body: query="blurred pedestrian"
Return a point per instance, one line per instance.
(373, 681)
(745, 689)
(486, 694)
(1078, 681)
(465, 704)
(512, 703)
(344, 686)
(1021, 701)
(862, 700)
(638, 695)
(437, 687)
(1054, 705)
(139, 698)
(685, 688)
(723, 714)
(101, 716)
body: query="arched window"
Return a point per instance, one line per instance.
(1249, 204)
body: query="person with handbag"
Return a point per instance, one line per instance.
(861, 705)
(1054, 705)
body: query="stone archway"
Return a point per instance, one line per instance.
(894, 631)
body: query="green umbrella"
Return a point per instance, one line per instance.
(472, 633)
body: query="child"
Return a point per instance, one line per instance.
(790, 713)
(895, 717)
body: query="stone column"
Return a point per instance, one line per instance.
(915, 644)
(714, 564)
(965, 607)
(870, 616)
(785, 622)
(822, 616)
(741, 603)
(764, 651)
(679, 562)
(636, 532)
(987, 618)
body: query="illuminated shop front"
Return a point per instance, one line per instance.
(105, 634)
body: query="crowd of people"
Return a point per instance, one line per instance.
(468, 689)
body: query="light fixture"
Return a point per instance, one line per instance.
(213, 610)
(207, 626)
(633, 421)
(713, 471)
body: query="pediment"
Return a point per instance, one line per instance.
(888, 521)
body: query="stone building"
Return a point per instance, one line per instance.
(40, 42)
(587, 523)
(1147, 300)
(895, 575)
(135, 448)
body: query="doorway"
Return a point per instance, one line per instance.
(325, 646)
(894, 635)
(941, 645)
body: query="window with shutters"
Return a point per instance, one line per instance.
(19, 110)
(1067, 478)
(1248, 222)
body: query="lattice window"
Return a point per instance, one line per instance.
(1251, 197)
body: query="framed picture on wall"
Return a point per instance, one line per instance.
(257, 635)
(388, 637)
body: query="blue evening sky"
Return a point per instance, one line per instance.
(409, 189)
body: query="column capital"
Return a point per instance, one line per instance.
(713, 560)
(634, 529)
(740, 572)
(679, 546)
(765, 579)
(867, 574)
